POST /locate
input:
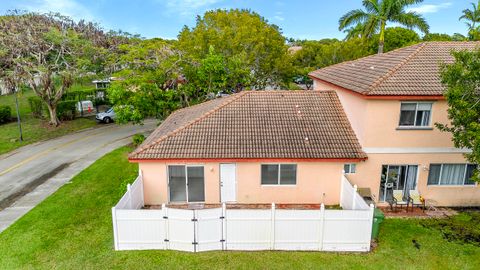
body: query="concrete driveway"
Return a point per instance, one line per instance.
(31, 173)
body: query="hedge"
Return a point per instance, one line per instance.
(66, 110)
(5, 114)
(36, 106)
(79, 95)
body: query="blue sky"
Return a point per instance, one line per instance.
(303, 19)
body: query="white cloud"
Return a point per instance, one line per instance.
(189, 7)
(278, 16)
(70, 8)
(429, 8)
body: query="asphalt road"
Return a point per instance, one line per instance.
(33, 172)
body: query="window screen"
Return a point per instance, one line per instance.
(279, 174)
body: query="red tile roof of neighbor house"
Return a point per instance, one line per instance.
(408, 71)
(256, 125)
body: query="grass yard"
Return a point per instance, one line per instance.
(34, 129)
(72, 230)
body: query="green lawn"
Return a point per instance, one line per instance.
(34, 129)
(72, 230)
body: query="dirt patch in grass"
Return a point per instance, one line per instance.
(462, 228)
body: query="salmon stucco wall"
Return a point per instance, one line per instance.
(368, 174)
(381, 127)
(376, 122)
(317, 182)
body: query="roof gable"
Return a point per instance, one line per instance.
(257, 125)
(408, 71)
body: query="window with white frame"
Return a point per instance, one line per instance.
(279, 174)
(349, 168)
(451, 174)
(415, 114)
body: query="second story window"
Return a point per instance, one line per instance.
(415, 114)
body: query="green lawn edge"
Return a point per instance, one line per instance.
(72, 229)
(34, 129)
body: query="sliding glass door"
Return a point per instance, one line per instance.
(186, 183)
(397, 177)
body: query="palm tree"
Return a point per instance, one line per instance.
(376, 15)
(472, 17)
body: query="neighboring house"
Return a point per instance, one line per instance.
(104, 83)
(392, 101)
(251, 147)
(101, 84)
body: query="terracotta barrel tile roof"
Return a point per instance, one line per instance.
(409, 71)
(256, 125)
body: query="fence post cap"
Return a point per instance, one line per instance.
(163, 205)
(372, 206)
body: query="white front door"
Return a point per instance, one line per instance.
(228, 182)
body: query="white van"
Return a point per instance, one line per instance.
(86, 106)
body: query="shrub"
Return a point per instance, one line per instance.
(100, 101)
(36, 106)
(5, 114)
(66, 110)
(79, 95)
(138, 139)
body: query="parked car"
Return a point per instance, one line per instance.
(107, 116)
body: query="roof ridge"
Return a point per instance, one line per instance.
(368, 56)
(180, 128)
(380, 80)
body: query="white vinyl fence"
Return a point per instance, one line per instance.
(349, 197)
(237, 229)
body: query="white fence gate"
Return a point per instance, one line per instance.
(241, 229)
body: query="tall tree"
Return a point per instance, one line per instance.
(462, 79)
(45, 52)
(378, 13)
(398, 37)
(472, 18)
(150, 70)
(243, 34)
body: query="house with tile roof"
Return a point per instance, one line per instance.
(392, 101)
(371, 120)
(250, 147)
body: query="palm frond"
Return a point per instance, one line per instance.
(467, 15)
(411, 20)
(372, 6)
(355, 32)
(372, 26)
(351, 18)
